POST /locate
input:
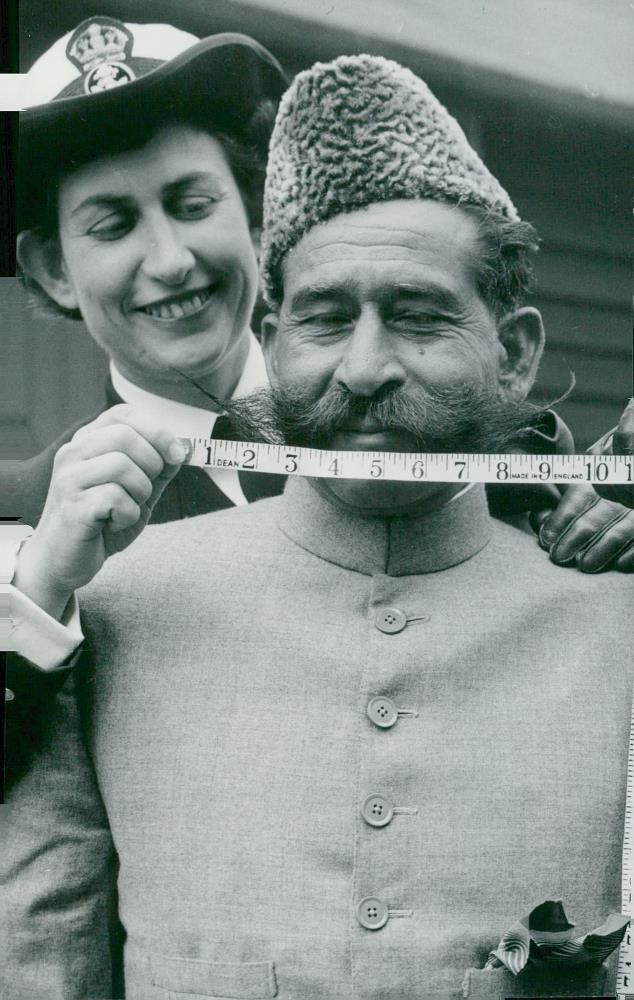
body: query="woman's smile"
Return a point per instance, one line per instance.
(176, 307)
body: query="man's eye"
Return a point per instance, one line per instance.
(417, 320)
(328, 319)
(113, 227)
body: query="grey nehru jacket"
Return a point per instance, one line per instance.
(424, 714)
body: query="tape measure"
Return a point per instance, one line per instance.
(409, 467)
(625, 967)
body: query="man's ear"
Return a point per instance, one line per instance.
(268, 340)
(521, 336)
(41, 259)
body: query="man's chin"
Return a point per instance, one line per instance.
(364, 496)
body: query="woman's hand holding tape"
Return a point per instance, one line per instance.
(105, 484)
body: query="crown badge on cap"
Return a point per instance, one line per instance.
(100, 48)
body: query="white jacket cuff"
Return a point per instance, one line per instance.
(35, 635)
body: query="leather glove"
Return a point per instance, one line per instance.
(593, 526)
(586, 530)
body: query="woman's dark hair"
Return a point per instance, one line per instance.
(245, 145)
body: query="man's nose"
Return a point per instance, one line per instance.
(370, 361)
(166, 257)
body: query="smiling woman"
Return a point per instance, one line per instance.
(142, 160)
(153, 249)
(244, 156)
(154, 158)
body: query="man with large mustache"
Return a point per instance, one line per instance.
(148, 353)
(398, 727)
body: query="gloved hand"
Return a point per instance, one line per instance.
(593, 526)
(585, 529)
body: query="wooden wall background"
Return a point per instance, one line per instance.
(563, 154)
(574, 183)
(53, 377)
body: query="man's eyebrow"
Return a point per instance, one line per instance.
(432, 294)
(438, 296)
(317, 292)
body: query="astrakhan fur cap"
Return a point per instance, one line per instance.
(358, 130)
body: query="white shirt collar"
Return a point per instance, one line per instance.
(181, 418)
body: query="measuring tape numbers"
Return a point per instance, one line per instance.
(408, 467)
(625, 967)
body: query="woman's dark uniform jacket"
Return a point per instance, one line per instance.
(23, 489)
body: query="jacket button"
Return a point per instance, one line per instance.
(377, 810)
(382, 712)
(390, 620)
(372, 913)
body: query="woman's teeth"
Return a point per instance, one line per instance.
(178, 308)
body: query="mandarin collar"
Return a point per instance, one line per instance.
(396, 546)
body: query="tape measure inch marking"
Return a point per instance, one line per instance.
(409, 467)
(625, 966)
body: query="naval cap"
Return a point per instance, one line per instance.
(102, 53)
(107, 80)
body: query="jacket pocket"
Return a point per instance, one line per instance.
(498, 984)
(186, 978)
